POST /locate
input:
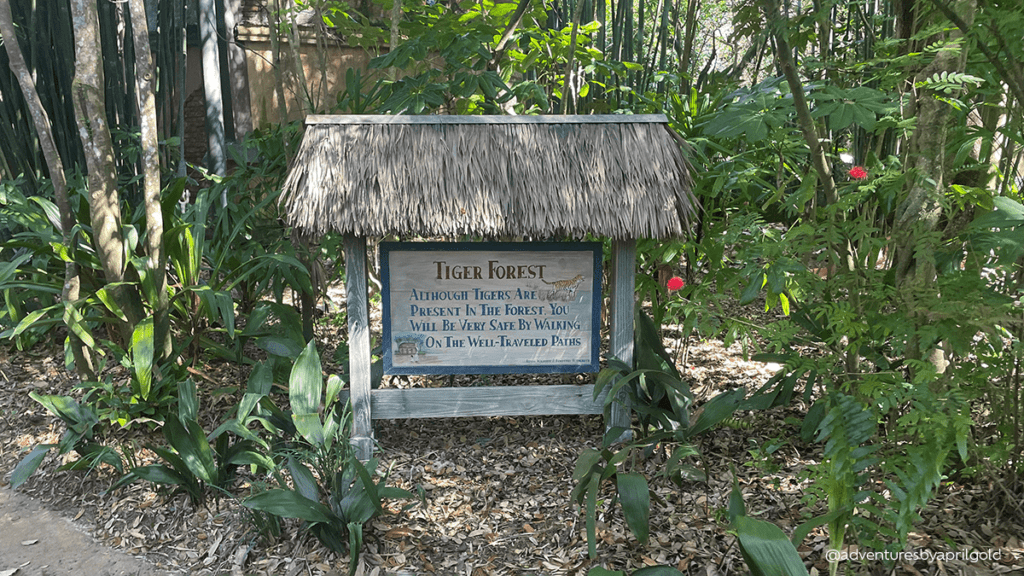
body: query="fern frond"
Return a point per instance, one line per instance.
(948, 82)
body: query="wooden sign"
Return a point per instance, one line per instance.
(490, 308)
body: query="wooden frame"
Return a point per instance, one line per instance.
(368, 404)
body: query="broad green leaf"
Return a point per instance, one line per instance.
(585, 463)
(50, 209)
(27, 321)
(289, 504)
(310, 428)
(363, 472)
(804, 529)
(393, 493)
(158, 474)
(636, 503)
(92, 455)
(74, 320)
(190, 442)
(142, 356)
(249, 401)
(334, 386)
(304, 481)
(766, 549)
(717, 409)
(305, 385)
(753, 288)
(108, 300)
(78, 418)
(188, 401)
(737, 507)
(1008, 212)
(29, 464)
(251, 457)
(355, 544)
(9, 269)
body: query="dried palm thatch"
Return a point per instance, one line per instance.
(535, 176)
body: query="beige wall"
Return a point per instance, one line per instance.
(262, 81)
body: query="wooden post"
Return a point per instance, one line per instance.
(358, 344)
(623, 287)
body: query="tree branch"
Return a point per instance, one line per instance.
(1015, 82)
(803, 114)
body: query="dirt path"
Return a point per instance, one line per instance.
(35, 541)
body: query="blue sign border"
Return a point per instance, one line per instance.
(595, 325)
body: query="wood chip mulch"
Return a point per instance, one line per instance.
(497, 495)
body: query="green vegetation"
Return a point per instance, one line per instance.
(859, 168)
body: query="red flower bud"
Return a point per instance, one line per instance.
(675, 283)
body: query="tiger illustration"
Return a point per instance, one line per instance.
(567, 288)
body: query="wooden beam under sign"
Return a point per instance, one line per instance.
(483, 401)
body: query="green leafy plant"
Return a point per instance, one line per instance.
(191, 463)
(764, 546)
(80, 437)
(330, 489)
(31, 273)
(660, 398)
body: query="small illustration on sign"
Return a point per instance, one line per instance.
(409, 345)
(565, 289)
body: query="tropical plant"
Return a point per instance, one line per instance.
(195, 463)
(330, 488)
(80, 437)
(662, 401)
(764, 546)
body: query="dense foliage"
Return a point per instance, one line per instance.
(859, 168)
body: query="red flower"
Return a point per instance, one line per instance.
(858, 173)
(675, 283)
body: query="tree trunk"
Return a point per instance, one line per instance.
(91, 117)
(72, 282)
(157, 264)
(212, 92)
(917, 218)
(238, 72)
(302, 87)
(570, 73)
(275, 48)
(803, 114)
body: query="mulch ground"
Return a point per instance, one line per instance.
(497, 493)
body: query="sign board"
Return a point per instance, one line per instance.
(490, 308)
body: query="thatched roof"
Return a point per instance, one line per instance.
(536, 176)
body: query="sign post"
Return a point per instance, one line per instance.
(457, 308)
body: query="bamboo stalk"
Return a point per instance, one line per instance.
(72, 282)
(146, 102)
